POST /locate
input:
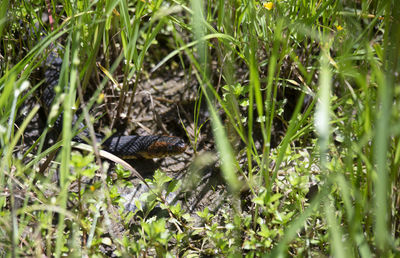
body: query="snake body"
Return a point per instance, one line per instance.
(125, 147)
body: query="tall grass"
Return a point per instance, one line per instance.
(301, 96)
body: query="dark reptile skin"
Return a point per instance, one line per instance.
(150, 146)
(125, 147)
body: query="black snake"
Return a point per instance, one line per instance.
(125, 147)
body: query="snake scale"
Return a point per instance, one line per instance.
(125, 147)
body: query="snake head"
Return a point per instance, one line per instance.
(164, 146)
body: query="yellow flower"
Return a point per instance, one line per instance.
(100, 98)
(268, 5)
(339, 28)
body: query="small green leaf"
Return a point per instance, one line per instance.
(174, 185)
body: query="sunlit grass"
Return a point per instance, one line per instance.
(309, 90)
